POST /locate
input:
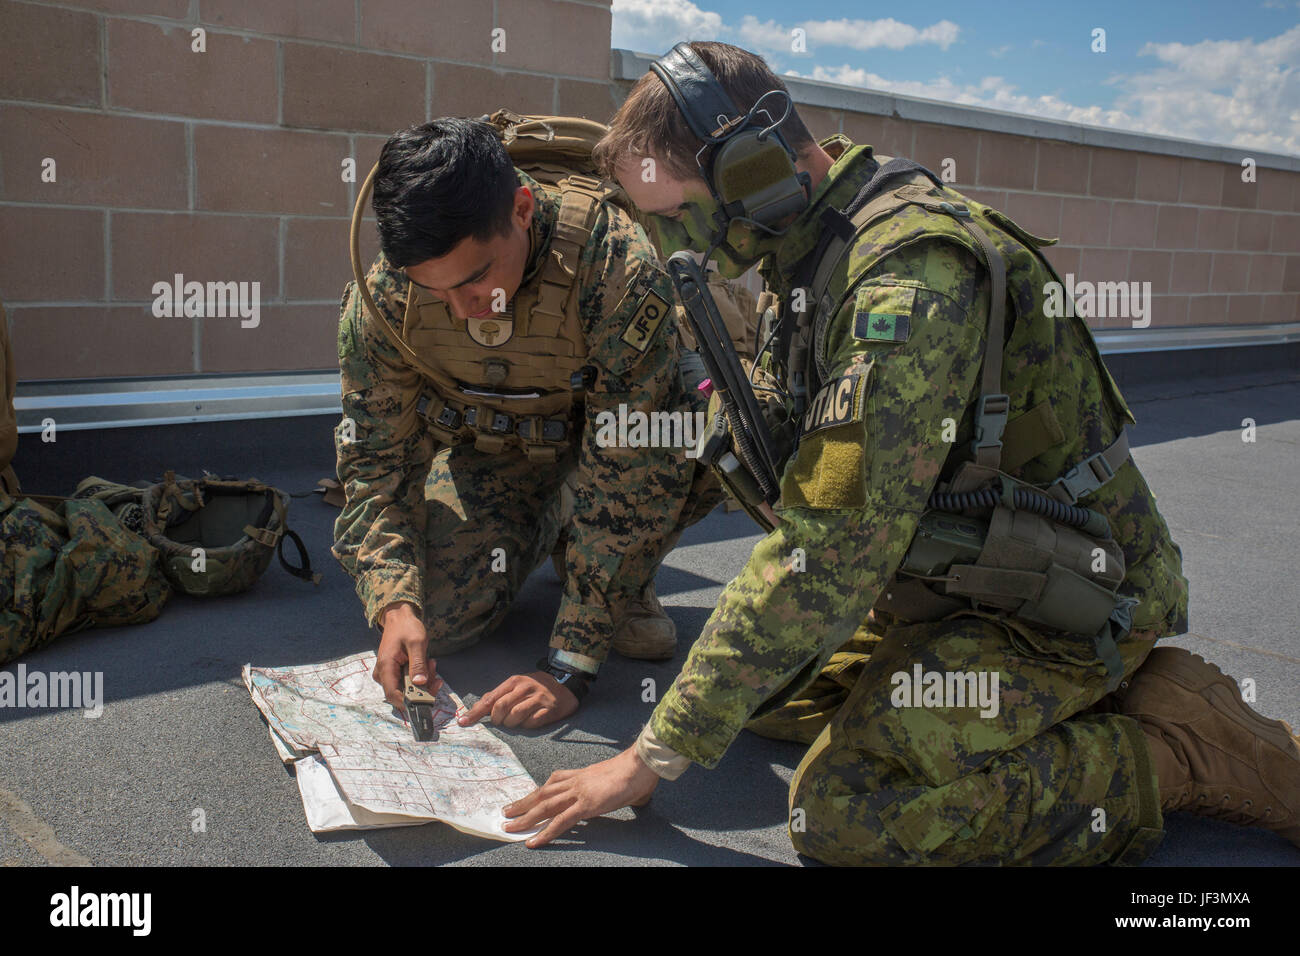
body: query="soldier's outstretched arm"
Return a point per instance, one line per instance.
(383, 455)
(903, 358)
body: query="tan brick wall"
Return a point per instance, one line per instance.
(1216, 251)
(226, 165)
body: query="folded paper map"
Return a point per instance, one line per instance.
(359, 767)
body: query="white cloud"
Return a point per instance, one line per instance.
(1238, 92)
(992, 92)
(1001, 51)
(770, 36)
(763, 36)
(1234, 92)
(653, 26)
(1230, 91)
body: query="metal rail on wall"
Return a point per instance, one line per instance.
(118, 403)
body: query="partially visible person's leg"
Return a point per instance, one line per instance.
(491, 520)
(901, 776)
(806, 716)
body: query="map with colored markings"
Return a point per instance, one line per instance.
(358, 765)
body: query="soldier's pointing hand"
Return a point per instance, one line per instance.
(404, 644)
(525, 700)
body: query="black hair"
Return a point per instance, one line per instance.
(438, 184)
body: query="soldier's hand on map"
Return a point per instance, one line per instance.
(569, 796)
(525, 700)
(403, 644)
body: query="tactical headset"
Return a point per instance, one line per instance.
(749, 167)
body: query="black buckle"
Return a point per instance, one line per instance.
(502, 423)
(448, 418)
(554, 429)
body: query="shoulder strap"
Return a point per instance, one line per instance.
(805, 367)
(580, 198)
(871, 204)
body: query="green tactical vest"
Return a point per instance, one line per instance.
(1000, 544)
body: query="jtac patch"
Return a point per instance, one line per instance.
(645, 322)
(838, 403)
(883, 313)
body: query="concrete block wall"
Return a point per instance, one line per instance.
(227, 164)
(1216, 250)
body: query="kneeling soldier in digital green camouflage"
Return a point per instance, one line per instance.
(966, 573)
(512, 315)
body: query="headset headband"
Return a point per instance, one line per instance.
(696, 91)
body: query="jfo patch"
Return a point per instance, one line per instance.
(838, 403)
(650, 314)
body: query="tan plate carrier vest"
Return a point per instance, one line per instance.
(526, 392)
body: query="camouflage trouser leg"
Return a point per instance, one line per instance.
(638, 567)
(492, 519)
(1041, 781)
(807, 715)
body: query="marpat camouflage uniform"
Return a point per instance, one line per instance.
(899, 785)
(456, 530)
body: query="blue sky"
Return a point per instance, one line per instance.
(1225, 73)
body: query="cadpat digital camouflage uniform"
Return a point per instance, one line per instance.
(423, 521)
(886, 784)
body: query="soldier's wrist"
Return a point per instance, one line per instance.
(399, 609)
(666, 763)
(579, 664)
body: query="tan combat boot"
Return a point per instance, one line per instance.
(643, 630)
(1214, 755)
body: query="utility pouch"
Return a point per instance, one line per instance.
(997, 555)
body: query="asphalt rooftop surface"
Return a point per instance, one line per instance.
(179, 732)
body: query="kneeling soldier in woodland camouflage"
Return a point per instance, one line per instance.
(948, 465)
(511, 315)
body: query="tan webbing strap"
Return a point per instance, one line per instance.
(265, 535)
(572, 232)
